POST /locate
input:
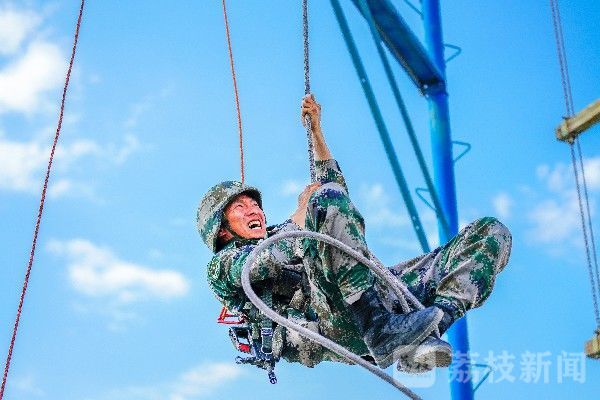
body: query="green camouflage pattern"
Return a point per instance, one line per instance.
(456, 277)
(210, 211)
(459, 275)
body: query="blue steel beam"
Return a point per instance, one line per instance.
(381, 127)
(427, 70)
(437, 208)
(404, 45)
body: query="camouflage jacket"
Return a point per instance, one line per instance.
(299, 304)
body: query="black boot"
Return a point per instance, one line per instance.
(389, 335)
(446, 322)
(433, 352)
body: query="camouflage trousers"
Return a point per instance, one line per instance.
(457, 276)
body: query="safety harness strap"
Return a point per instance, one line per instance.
(266, 325)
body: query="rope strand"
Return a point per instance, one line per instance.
(41, 207)
(307, 121)
(560, 49)
(585, 239)
(235, 89)
(571, 109)
(306, 53)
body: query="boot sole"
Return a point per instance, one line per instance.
(410, 366)
(399, 351)
(438, 358)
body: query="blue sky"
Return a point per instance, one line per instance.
(118, 306)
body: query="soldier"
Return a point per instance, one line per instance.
(329, 292)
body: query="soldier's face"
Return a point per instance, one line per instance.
(245, 218)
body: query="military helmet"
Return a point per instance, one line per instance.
(212, 207)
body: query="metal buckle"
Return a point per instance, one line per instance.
(266, 332)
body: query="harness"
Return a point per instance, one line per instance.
(253, 335)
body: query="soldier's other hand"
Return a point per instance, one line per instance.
(299, 216)
(306, 193)
(312, 109)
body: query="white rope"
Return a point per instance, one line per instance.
(379, 270)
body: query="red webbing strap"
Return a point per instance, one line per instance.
(235, 90)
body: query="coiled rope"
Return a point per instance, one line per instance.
(41, 207)
(379, 270)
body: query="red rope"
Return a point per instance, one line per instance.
(235, 89)
(41, 208)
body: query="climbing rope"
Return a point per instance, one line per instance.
(568, 98)
(41, 207)
(401, 292)
(307, 121)
(235, 90)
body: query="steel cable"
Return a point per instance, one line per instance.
(568, 98)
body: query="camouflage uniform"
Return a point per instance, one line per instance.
(456, 277)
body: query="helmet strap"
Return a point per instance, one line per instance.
(228, 228)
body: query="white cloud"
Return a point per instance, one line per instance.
(561, 177)
(592, 173)
(32, 69)
(97, 272)
(15, 26)
(202, 380)
(27, 386)
(503, 205)
(556, 218)
(24, 82)
(67, 187)
(377, 209)
(137, 110)
(292, 187)
(33, 66)
(60, 187)
(120, 153)
(195, 383)
(24, 163)
(73, 151)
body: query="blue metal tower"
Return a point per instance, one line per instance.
(443, 172)
(426, 68)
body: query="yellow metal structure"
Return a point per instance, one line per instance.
(592, 347)
(570, 128)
